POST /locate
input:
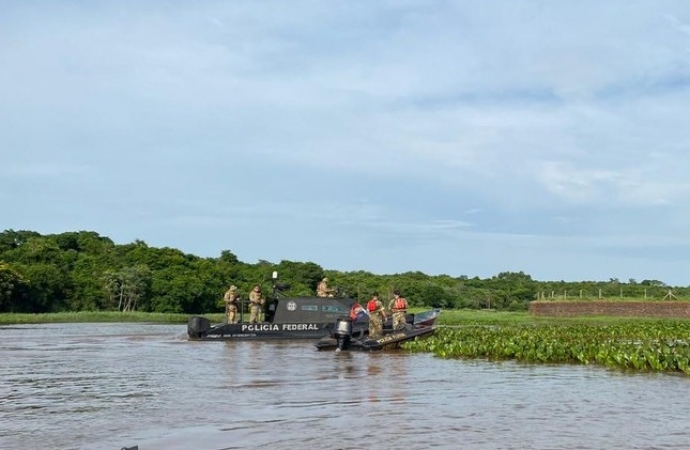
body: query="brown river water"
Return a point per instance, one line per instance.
(108, 386)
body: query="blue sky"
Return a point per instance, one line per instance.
(449, 137)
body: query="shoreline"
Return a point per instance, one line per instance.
(448, 317)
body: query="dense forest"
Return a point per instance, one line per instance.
(83, 271)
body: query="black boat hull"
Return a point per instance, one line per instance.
(286, 318)
(256, 331)
(390, 340)
(342, 338)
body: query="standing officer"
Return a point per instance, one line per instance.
(256, 301)
(230, 299)
(377, 315)
(398, 306)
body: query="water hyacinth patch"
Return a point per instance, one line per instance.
(649, 347)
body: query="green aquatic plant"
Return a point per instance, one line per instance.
(659, 346)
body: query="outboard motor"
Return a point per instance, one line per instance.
(197, 327)
(343, 332)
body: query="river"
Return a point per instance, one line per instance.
(108, 386)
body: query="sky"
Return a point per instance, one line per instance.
(447, 137)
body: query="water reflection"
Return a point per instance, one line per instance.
(106, 386)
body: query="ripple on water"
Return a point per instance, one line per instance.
(126, 384)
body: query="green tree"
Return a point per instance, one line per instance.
(49, 287)
(126, 287)
(13, 290)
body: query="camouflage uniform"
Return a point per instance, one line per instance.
(230, 298)
(256, 301)
(398, 305)
(376, 317)
(322, 290)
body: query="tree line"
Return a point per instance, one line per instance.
(84, 271)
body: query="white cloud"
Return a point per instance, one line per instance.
(388, 123)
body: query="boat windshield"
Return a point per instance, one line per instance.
(334, 309)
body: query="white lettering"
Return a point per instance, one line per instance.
(300, 327)
(259, 327)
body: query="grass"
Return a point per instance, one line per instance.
(448, 317)
(94, 317)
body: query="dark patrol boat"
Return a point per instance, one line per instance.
(283, 318)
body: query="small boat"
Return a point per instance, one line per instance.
(349, 335)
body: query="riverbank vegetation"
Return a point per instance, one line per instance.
(84, 271)
(94, 317)
(468, 317)
(448, 318)
(623, 343)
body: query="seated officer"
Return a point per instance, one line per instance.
(322, 290)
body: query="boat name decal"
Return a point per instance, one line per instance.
(223, 336)
(279, 327)
(391, 337)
